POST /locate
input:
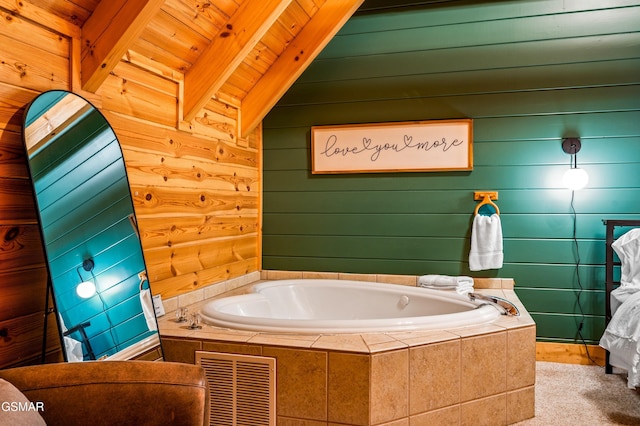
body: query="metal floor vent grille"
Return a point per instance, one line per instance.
(241, 388)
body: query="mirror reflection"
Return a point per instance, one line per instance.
(92, 247)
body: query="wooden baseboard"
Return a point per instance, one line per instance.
(569, 353)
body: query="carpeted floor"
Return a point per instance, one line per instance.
(568, 394)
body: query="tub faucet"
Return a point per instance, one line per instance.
(503, 305)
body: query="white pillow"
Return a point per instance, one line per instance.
(627, 247)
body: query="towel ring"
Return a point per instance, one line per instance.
(486, 199)
(143, 277)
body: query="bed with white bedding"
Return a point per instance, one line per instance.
(621, 338)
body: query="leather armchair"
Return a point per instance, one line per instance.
(115, 392)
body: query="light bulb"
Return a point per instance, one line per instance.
(86, 289)
(575, 178)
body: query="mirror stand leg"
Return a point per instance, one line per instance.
(46, 318)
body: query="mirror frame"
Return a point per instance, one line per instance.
(69, 111)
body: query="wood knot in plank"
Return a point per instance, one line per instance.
(225, 34)
(12, 233)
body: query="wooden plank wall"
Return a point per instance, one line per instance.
(196, 185)
(529, 73)
(23, 274)
(197, 198)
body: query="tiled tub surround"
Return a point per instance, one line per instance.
(478, 375)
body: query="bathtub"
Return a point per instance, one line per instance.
(321, 306)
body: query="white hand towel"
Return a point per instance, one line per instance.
(147, 309)
(465, 285)
(464, 281)
(486, 243)
(464, 290)
(462, 285)
(437, 281)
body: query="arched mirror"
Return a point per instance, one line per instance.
(95, 261)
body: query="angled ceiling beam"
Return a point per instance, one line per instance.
(294, 60)
(108, 33)
(227, 50)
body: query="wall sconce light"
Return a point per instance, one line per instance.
(86, 289)
(575, 178)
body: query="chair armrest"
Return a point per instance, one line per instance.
(116, 392)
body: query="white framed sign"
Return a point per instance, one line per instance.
(412, 146)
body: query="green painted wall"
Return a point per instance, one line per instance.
(529, 73)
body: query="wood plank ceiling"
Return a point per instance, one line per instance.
(245, 51)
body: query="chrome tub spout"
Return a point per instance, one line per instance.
(503, 305)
